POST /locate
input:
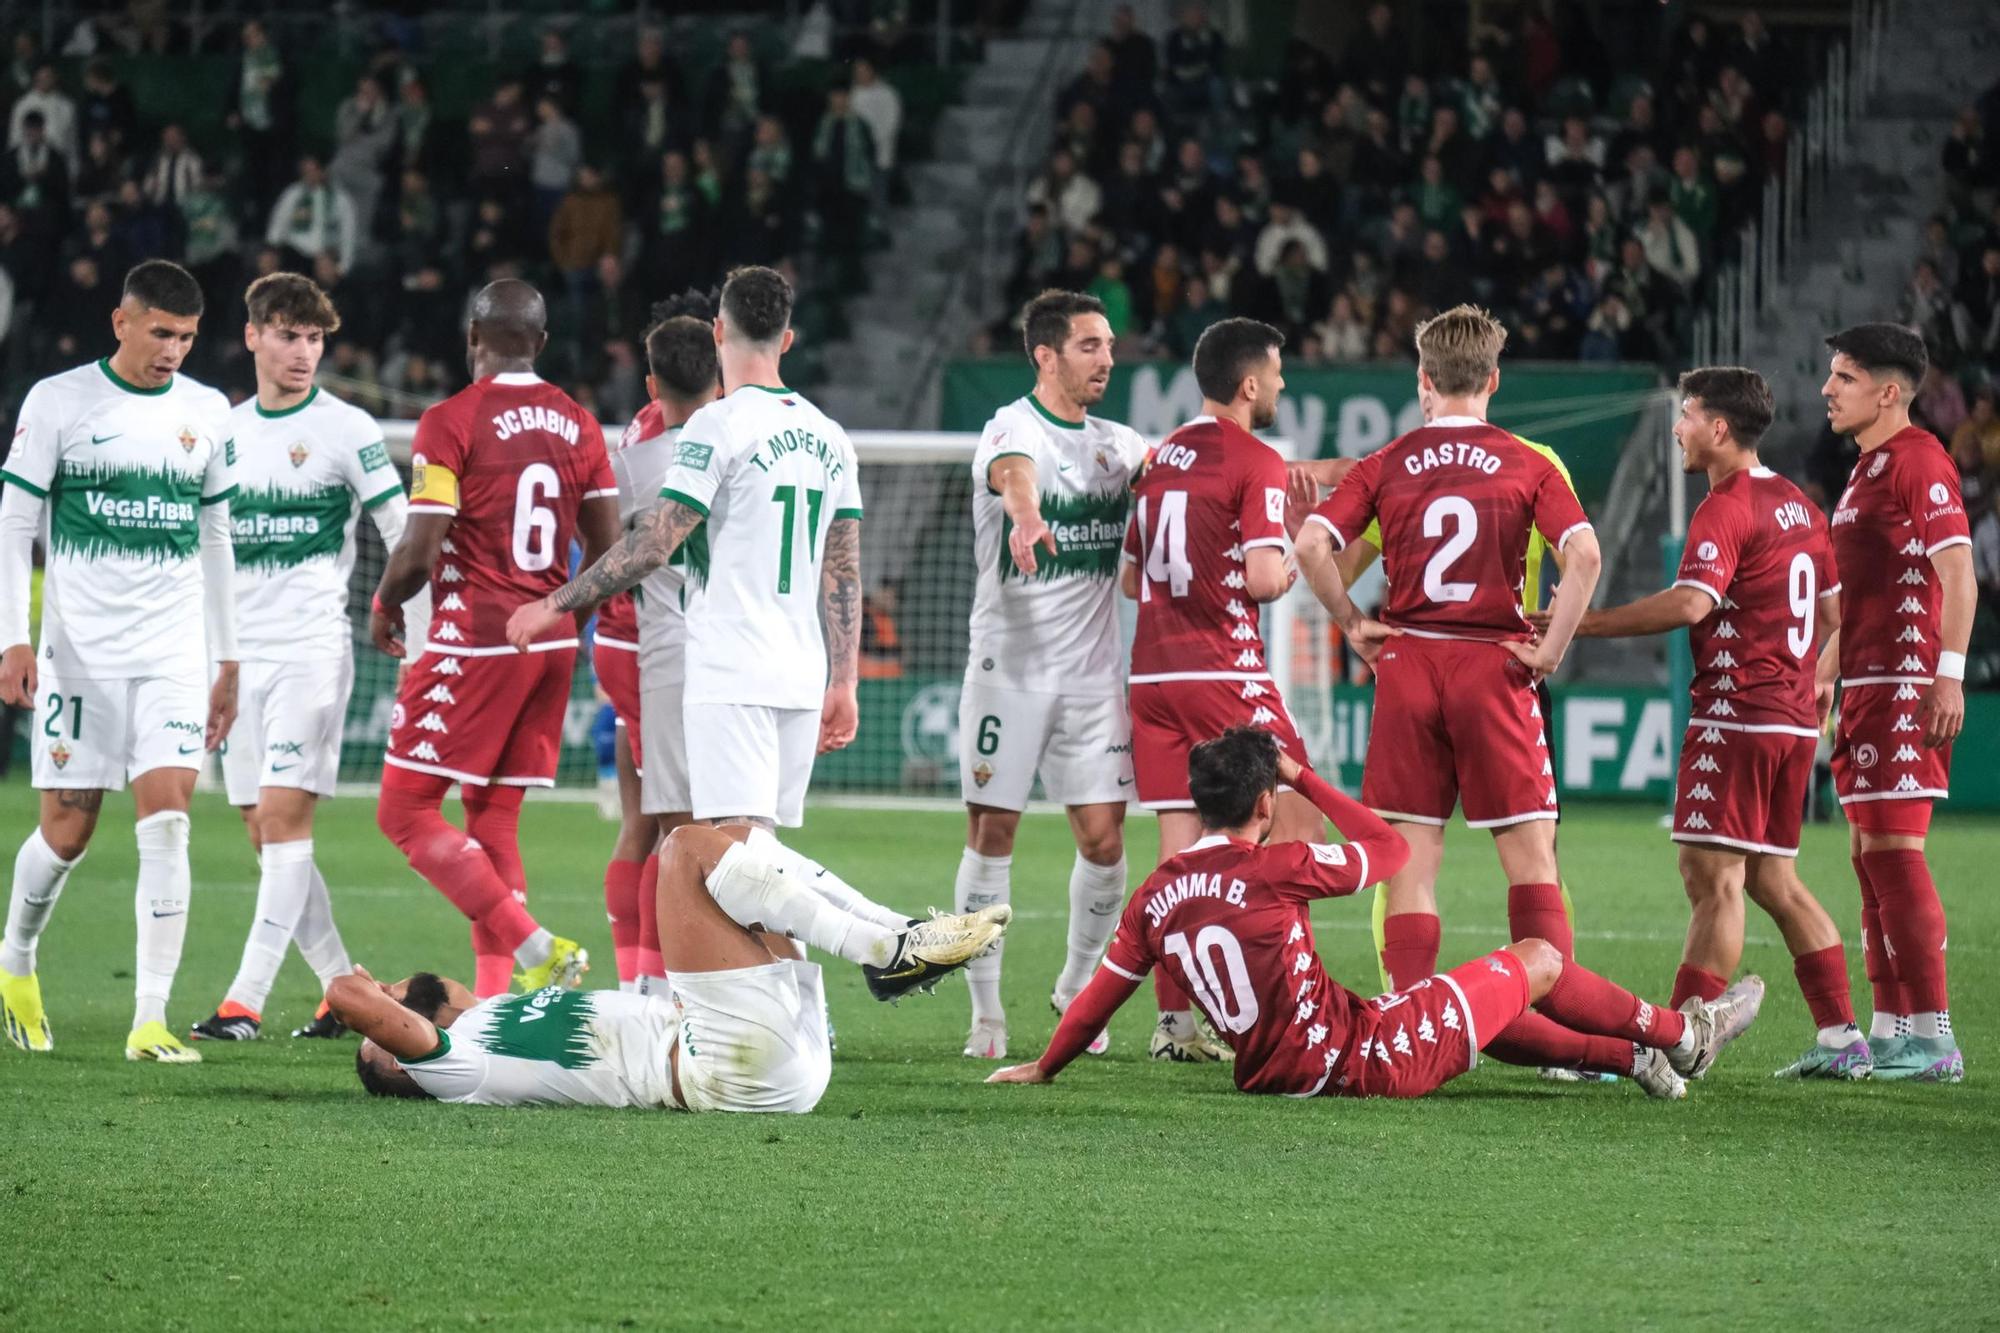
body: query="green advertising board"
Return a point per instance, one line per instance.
(1585, 413)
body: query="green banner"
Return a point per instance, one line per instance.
(1584, 413)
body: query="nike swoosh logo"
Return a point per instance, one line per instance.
(909, 971)
(269, 922)
(1124, 782)
(105, 439)
(281, 768)
(190, 749)
(182, 912)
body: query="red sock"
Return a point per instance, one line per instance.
(650, 963)
(1583, 1000)
(1822, 978)
(1888, 992)
(493, 816)
(621, 904)
(1913, 928)
(1535, 912)
(407, 812)
(1534, 1040)
(492, 965)
(1410, 947)
(1694, 982)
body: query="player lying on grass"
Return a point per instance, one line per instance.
(1231, 913)
(743, 1027)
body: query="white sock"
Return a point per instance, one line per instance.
(652, 983)
(283, 886)
(824, 882)
(318, 939)
(1839, 1036)
(629, 987)
(984, 881)
(1642, 1059)
(1931, 1023)
(161, 908)
(39, 876)
(1179, 1023)
(535, 950)
(1885, 1025)
(756, 891)
(1685, 1046)
(1095, 894)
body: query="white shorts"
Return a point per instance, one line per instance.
(753, 1038)
(95, 735)
(1080, 744)
(289, 717)
(747, 759)
(663, 778)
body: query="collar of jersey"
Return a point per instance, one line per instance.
(775, 389)
(1203, 844)
(517, 378)
(104, 364)
(1455, 421)
(299, 406)
(1051, 417)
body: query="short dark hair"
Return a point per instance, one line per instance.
(291, 299)
(1045, 319)
(1736, 394)
(1227, 351)
(757, 302)
(380, 1081)
(161, 284)
(1227, 775)
(681, 354)
(424, 994)
(1877, 348)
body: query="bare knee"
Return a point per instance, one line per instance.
(1709, 877)
(1543, 963)
(990, 832)
(68, 818)
(693, 846)
(1100, 833)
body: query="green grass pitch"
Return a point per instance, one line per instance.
(262, 1190)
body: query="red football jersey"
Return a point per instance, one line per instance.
(1456, 499)
(1210, 492)
(1760, 549)
(1902, 506)
(511, 458)
(618, 619)
(1231, 919)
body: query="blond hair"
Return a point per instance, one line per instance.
(1460, 350)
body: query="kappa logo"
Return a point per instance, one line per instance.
(1235, 552)
(1721, 708)
(1707, 551)
(1645, 1018)
(1724, 684)
(982, 773)
(1914, 546)
(1907, 691)
(1298, 933)
(1244, 632)
(1705, 764)
(1426, 1030)
(1301, 962)
(432, 722)
(1904, 722)
(1911, 662)
(1866, 755)
(452, 602)
(1550, 799)
(446, 632)
(1712, 736)
(440, 693)
(449, 667)
(1248, 658)
(1723, 661)
(1914, 578)
(1236, 609)
(1700, 792)
(450, 574)
(1905, 754)
(1306, 1009)
(1547, 771)
(1401, 1041)
(1451, 1019)
(1729, 604)
(1910, 607)
(1906, 783)
(1254, 689)
(1911, 634)
(1725, 630)
(1262, 717)
(1861, 783)
(424, 750)
(448, 548)
(1696, 821)
(1316, 1034)
(1233, 579)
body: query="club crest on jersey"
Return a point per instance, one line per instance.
(59, 754)
(1103, 460)
(1865, 755)
(187, 437)
(982, 773)
(299, 454)
(1939, 495)
(1707, 551)
(1875, 468)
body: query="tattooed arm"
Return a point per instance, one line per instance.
(840, 610)
(649, 545)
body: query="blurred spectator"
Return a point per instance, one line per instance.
(677, 229)
(1378, 54)
(35, 178)
(364, 127)
(650, 64)
(1975, 309)
(844, 173)
(258, 115)
(57, 110)
(1693, 198)
(1110, 287)
(415, 146)
(1671, 247)
(498, 130)
(588, 225)
(1342, 334)
(555, 152)
(176, 170)
(735, 92)
(1072, 197)
(75, 321)
(314, 217)
(1134, 60)
(1926, 306)
(1199, 309)
(1976, 442)
(1940, 403)
(107, 106)
(1192, 59)
(1287, 227)
(880, 107)
(1038, 255)
(554, 75)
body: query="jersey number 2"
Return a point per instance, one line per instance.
(1166, 552)
(534, 521)
(1223, 991)
(1464, 521)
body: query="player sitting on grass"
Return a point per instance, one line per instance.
(1232, 913)
(744, 1027)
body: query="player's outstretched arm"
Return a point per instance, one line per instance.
(365, 1005)
(407, 570)
(649, 545)
(1319, 563)
(1664, 611)
(840, 612)
(1942, 708)
(20, 519)
(1013, 476)
(1081, 1022)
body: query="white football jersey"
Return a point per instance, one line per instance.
(303, 476)
(126, 472)
(660, 600)
(1054, 631)
(555, 1047)
(772, 473)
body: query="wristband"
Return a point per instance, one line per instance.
(375, 604)
(1951, 666)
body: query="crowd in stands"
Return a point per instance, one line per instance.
(1953, 299)
(402, 212)
(1360, 189)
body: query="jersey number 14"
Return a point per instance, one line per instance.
(1166, 549)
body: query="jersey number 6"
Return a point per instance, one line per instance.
(534, 522)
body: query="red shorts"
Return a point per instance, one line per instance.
(495, 719)
(1879, 759)
(1410, 1042)
(1743, 789)
(617, 669)
(1456, 720)
(1171, 717)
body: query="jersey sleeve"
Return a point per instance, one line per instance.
(847, 487)
(598, 481)
(1823, 557)
(37, 449)
(1926, 482)
(218, 481)
(437, 462)
(370, 474)
(1260, 501)
(1002, 438)
(1130, 954)
(1304, 871)
(1714, 544)
(1558, 513)
(454, 1072)
(702, 460)
(1350, 510)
